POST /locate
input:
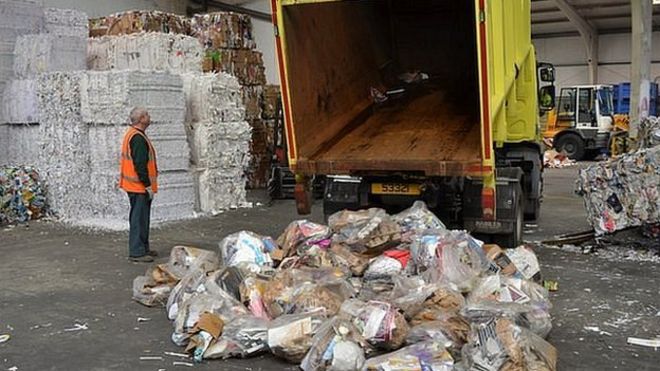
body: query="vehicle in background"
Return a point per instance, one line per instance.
(582, 121)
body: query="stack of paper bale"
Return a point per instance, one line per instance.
(18, 17)
(145, 51)
(227, 38)
(54, 44)
(624, 192)
(136, 21)
(218, 136)
(107, 99)
(60, 45)
(219, 139)
(270, 109)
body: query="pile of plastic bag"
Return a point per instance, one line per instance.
(623, 193)
(370, 291)
(22, 195)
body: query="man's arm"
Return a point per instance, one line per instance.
(140, 154)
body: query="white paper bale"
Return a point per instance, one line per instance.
(110, 202)
(109, 96)
(47, 53)
(19, 102)
(166, 129)
(212, 97)
(20, 17)
(217, 192)
(146, 51)
(67, 22)
(64, 147)
(213, 147)
(105, 146)
(20, 145)
(16, 18)
(172, 153)
(176, 197)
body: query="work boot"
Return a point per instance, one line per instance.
(152, 253)
(141, 259)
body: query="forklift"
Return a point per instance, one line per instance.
(582, 121)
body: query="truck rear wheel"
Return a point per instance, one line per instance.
(572, 145)
(514, 238)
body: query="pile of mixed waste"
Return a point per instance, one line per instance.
(22, 196)
(624, 193)
(555, 160)
(370, 291)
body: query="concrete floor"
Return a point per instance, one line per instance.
(53, 277)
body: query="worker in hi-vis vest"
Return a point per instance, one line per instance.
(138, 176)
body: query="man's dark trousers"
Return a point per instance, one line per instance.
(138, 236)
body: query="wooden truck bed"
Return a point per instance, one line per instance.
(422, 133)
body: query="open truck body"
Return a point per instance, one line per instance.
(465, 140)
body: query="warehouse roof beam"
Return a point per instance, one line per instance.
(589, 35)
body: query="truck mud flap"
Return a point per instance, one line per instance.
(507, 192)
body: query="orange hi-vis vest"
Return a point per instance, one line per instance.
(128, 177)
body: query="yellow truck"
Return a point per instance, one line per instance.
(396, 101)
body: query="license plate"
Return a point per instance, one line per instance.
(395, 189)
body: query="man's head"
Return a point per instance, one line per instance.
(140, 118)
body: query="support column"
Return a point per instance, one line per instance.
(589, 36)
(640, 66)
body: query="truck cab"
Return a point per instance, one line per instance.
(582, 121)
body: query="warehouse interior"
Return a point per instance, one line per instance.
(329, 185)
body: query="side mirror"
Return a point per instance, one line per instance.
(547, 98)
(547, 74)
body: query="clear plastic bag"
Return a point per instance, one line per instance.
(299, 290)
(418, 218)
(454, 326)
(523, 301)
(452, 257)
(410, 293)
(248, 248)
(330, 347)
(242, 337)
(185, 259)
(498, 344)
(430, 331)
(251, 293)
(155, 286)
(290, 336)
(363, 230)
(209, 297)
(427, 356)
(379, 322)
(300, 235)
(377, 289)
(383, 267)
(344, 257)
(148, 292)
(188, 285)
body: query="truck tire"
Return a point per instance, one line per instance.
(514, 239)
(572, 145)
